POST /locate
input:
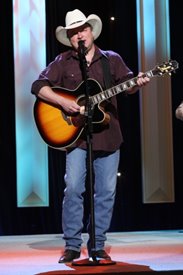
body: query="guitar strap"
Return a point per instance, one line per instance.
(106, 71)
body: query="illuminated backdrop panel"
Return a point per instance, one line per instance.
(153, 33)
(29, 60)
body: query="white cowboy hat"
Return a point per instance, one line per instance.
(76, 19)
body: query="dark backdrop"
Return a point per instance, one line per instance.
(129, 213)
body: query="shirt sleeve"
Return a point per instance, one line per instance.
(50, 76)
(119, 70)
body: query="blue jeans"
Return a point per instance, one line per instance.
(105, 177)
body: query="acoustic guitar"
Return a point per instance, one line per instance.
(60, 130)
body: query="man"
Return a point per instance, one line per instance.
(65, 71)
(179, 111)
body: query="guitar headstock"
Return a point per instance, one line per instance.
(165, 68)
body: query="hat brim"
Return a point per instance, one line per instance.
(93, 20)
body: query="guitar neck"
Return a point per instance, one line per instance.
(122, 87)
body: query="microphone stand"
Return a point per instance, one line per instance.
(89, 130)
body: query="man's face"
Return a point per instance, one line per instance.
(83, 33)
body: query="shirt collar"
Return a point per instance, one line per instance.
(97, 55)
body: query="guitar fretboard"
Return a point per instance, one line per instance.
(96, 99)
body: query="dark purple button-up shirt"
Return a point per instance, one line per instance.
(65, 72)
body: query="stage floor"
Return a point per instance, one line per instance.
(133, 252)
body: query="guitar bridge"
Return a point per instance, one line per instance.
(66, 118)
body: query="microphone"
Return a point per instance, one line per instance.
(81, 48)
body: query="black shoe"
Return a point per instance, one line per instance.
(69, 255)
(102, 254)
